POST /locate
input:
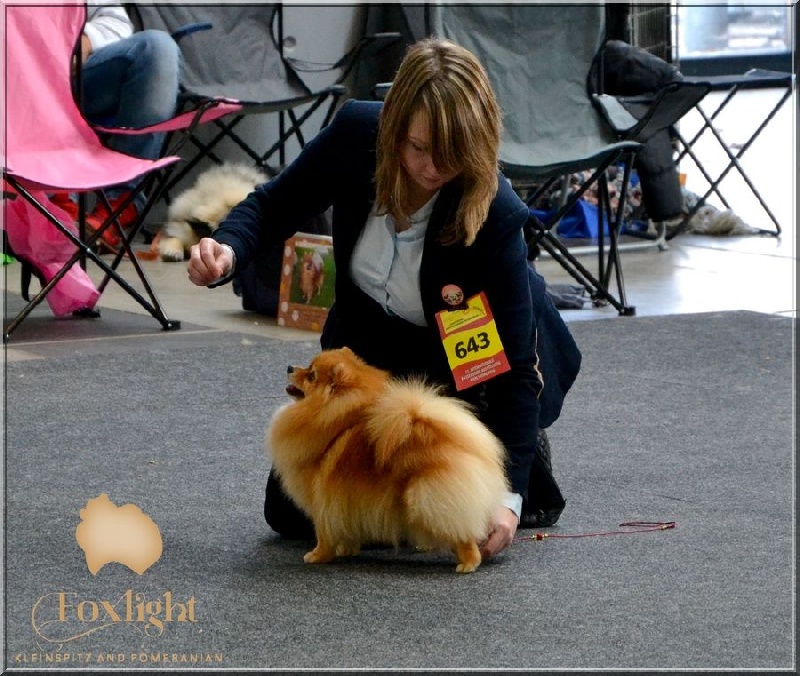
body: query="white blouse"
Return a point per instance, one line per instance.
(385, 263)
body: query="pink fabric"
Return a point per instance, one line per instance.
(220, 108)
(48, 145)
(74, 291)
(37, 240)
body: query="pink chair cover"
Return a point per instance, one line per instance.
(49, 146)
(37, 240)
(218, 108)
(49, 143)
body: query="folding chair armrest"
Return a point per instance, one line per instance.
(380, 90)
(376, 41)
(615, 114)
(668, 106)
(755, 78)
(661, 110)
(392, 36)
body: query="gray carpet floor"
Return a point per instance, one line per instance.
(683, 418)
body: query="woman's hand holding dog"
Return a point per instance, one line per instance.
(209, 261)
(503, 528)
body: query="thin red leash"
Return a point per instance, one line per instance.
(629, 526)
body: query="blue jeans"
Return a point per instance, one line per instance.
(133, 83)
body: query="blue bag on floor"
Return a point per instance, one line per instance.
(579, 222)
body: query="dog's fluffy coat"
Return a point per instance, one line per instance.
(197, 211)
(372, 459)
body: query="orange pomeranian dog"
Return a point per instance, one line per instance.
(374, 460)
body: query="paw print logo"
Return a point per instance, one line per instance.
(111, 534)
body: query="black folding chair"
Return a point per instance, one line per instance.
(539, 59)
(732, 84)
(241, 58)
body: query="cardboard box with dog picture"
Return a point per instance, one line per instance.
(308, 280)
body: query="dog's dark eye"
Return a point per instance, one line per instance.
(311, 376)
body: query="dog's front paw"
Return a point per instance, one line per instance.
(170, 249)
(467, 567)
(320, 555)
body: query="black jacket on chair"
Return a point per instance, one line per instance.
(337, 169)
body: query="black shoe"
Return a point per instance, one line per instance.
(542, 516)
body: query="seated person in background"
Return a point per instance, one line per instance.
(128, 79)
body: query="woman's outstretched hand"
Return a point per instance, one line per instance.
(208, 261)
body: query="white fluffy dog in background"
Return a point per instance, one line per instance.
(197, 211)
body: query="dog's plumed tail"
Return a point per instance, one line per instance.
(412, 427)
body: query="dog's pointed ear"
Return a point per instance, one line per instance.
(341, 375)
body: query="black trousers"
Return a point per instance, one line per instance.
(282, 514)
(285, 518)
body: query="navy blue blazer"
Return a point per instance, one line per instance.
(336, 169)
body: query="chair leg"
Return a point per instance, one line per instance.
(733, 159)
(28, 271)
(608, 262)
(37, 300)
(295, 128)
(614, 228)
(205, 151)
(25, 277)
(733, 162)
(154, 187)
(84, 249)
(600, 294)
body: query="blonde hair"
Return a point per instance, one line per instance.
(448, 86)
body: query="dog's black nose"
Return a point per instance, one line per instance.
(290, 369)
